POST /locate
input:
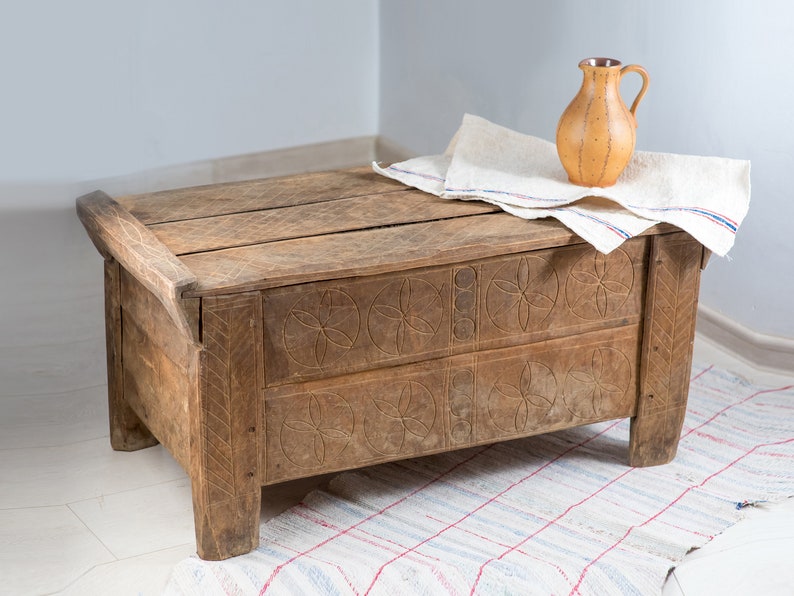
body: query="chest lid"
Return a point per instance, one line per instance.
(266, 233)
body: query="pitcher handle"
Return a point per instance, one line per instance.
(645, 79)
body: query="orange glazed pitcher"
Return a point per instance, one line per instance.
(596, 133)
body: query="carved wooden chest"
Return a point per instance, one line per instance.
(284, 328)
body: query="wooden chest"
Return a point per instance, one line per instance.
(284, 328)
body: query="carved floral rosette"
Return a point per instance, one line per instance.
(343, 326)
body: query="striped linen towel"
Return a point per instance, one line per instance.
(705, 196)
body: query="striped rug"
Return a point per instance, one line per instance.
(554, 514)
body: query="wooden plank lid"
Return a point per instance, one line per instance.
(280, 231)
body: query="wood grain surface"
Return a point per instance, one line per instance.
(256, 195)
(470, 399)
(120, 236)
(275, 329)
(670, 318)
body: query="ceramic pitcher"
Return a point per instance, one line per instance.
(596, 133)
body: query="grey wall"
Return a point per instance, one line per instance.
(95, 89)
(99, 94)
(719, 86)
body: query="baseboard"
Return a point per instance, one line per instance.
(764, 352)
(342, 153)
(389, 152)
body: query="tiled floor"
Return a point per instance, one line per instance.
(78, 518)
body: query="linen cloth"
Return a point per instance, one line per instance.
(705, 196)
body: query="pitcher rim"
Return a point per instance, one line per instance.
(600, 62)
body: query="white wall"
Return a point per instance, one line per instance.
(97, 88)
(96, 93)
(720, 85)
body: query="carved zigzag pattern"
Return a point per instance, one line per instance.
(216, 421)
(671, 323)
(223, 328)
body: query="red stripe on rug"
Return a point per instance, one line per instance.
(685, 492)
(574, 506)
(485, 503)
(575, 589)
(347, 530)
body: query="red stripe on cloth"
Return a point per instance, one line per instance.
(345, 531)
(575, 589)
(485, 503)
(733, 405)
(525, 540)
(687, 490)
(701, 373)
(548, 525)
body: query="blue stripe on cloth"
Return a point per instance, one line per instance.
(488, 191)
(417, 174)
(713, 216)
(524, 197)
(610, 226)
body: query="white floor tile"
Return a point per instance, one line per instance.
(45, 476)
(141, 521)
(36, 370)
(44, 549)
(145, 575)
(54, 419)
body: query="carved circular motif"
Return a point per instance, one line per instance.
(521, 294)
(463, 381)
(321, 327)
(464, 329)
(404, 316)
(598, 386)
(460, 402)
(598, 284)
(465, 301)
(402, 412)
(460, 405)
(460, 431)
(316, 429)
(523, 395)
(465, 277)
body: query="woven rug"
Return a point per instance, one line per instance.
(559, 513)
